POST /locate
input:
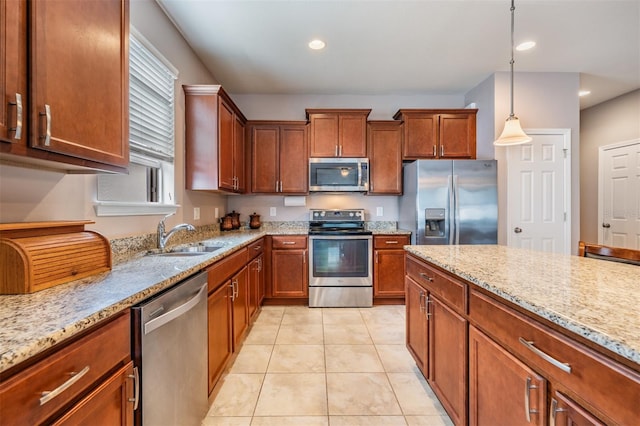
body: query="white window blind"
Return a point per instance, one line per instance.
(151, 103)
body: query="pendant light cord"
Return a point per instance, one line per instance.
(513, 8)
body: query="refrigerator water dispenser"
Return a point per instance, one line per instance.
(434, 223)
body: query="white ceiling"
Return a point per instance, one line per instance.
(377, 47)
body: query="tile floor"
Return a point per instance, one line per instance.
(325, 366)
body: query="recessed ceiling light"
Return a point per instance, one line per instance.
(526, 45)
(317, 44)
(584, 92)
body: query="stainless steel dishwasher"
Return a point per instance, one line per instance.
(170, 350)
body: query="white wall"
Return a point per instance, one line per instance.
(613, 121)
(541, 101)
(28, 194)
(483, 95)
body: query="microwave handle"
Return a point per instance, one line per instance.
(360, 175)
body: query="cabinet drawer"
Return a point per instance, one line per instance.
(447, 289)
(390, 241)
(220, 271)
(600, 384)
(289, 242)
(92, 358)
(256, 248)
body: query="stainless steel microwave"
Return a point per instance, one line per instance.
(338, 174)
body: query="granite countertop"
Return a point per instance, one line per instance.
(595, 299)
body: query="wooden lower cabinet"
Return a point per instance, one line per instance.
(288, 268)
(448, 358)
(240, 302)
(388, 266)
(417, 325)
(256, 286)
(109, 404)
(565, 412)
(220, 344)
(502, 389)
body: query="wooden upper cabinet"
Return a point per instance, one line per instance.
(278, 157)
(13, 57)
(79, 59)
(385, 157)
(214, 142)
(338, 132)
(438, 133)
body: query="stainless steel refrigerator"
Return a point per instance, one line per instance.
(450, 202)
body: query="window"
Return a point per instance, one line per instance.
(149, 186)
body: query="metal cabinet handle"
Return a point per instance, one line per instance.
(427, 302)
(561, 365)
(289, 243)
(420, 301)
(256, 248)
(280, 186)
(391, 242)
(606, 225)
(18, 128)
(337, 151)
(47, 134)
(435, 153)
(163, 319)
(527, 399)
(426, 277)
(517, 230)
(552, 412)
(75, 376)
(340, 151)
(136, 388)
(441, 150)
(259, 265)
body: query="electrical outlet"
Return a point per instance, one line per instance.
(216, 213)
(272, 211)
(379, 211)
(196, 213)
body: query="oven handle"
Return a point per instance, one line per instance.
(341, 237)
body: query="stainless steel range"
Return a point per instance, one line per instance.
(340, 266)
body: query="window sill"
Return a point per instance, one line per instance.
(115, 208)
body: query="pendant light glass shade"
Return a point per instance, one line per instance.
(512, 133)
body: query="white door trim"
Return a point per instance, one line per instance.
(601, 151)
(566, 146)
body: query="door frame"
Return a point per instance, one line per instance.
(601, 151)
(566, 147)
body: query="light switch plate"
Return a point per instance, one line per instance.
(272, 211)
(216, 213)
(379, 211)
(196, 213)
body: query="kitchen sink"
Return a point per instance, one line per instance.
(196, 250)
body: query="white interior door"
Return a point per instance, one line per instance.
(619, 195)
(538, 192)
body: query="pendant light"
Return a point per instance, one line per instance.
(512, 133)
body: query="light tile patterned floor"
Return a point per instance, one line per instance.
(326, 366)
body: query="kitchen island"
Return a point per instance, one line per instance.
(489, 320)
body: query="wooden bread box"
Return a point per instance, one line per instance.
(39, 255)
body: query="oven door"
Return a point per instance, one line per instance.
(340, 260)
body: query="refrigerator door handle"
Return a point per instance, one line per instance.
(451, 215)
(456, 209)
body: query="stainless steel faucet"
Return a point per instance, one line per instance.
(163, 236)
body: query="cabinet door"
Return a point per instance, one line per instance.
(264, 159)
(324, 135)
(388, 272)
(238, 155)
(111, 403)
(502, 390)
(256, 286)
(457, 136)
(219, 332)
(226, 124)
(566, 412)
(448, 362)
(79, 79)
(417, 331)
(352, 135)
(420, 136)
(290, 274)
(293, 160)
(240, 284)
(385, 158)
(13, 64)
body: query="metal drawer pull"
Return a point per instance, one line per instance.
(426, 277)
(256, 248)
(561, 365)
(391, 242)
(75, 376)
(136, 388)
(434, 151)
(527, 391)
(553, 411)
(289, 243)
